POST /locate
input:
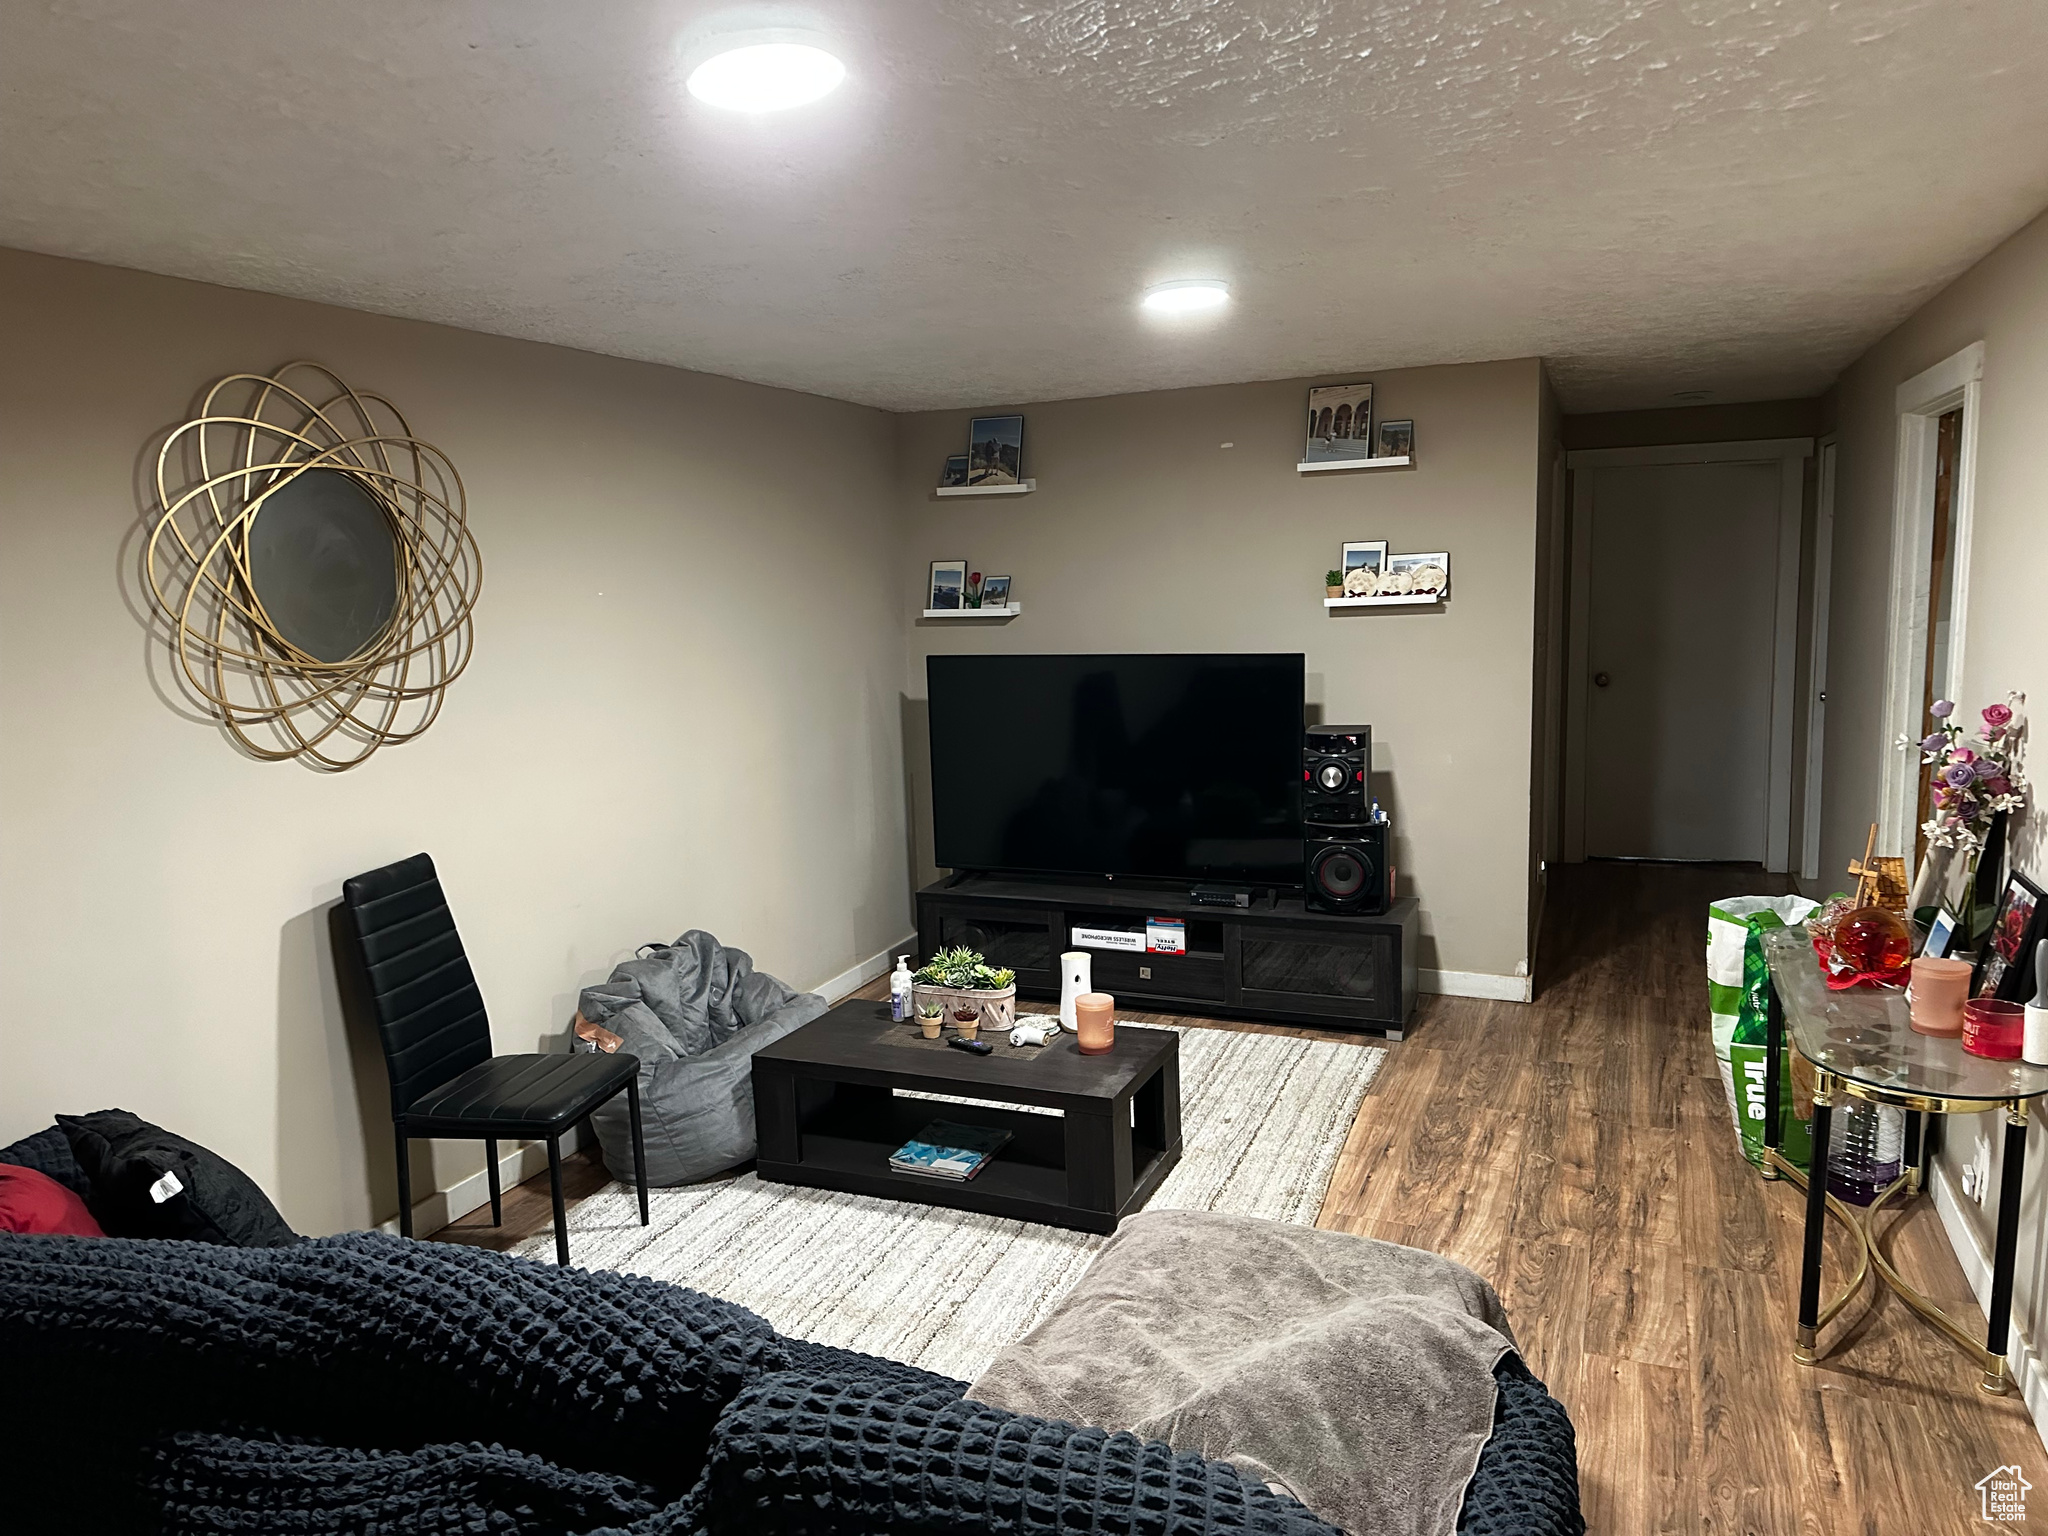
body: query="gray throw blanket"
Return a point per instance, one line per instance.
(694, 1012)
(1354, 1374)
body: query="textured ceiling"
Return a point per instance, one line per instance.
(1658, 195)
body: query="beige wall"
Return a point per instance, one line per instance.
(1147, 534)
(683, 711)
(2003, 302)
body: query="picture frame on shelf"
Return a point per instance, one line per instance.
(1417, 575)
(1339, 423)
(1394, 440)
(2005, 965)
(955, 472)
(995, 592)
(948, 584)
(1363, 564)
(995, 450)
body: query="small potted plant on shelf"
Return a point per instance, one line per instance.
(931, 1018)
(1334, 581)
(967, 988)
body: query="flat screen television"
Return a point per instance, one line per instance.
(1174, 767)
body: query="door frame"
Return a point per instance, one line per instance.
(1920, 403)
(1790, 454)
(1826, 467)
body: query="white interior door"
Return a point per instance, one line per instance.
(1682, 607)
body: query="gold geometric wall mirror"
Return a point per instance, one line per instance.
(313, 564)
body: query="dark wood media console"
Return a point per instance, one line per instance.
(1273, 961)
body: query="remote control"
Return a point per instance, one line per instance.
(979, 1047)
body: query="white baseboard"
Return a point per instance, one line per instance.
(516, 1164)
(2022, 1359)
(1505, 989)
(858, 976)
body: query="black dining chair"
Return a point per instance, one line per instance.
(437, 1041)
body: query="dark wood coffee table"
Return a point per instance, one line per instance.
(830, 1108)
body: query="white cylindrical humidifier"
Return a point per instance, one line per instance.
(2034, 1026)
(1076, 977)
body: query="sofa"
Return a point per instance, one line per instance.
(370, 1383)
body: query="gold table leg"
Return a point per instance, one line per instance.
(1997, 1378)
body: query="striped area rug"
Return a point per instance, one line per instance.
(1263, 1119)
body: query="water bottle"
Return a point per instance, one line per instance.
(899, 990)
(1866, 1145)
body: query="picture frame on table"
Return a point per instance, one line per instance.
(2005, 966)
(948, 585)
(1363, 563)
(995, 450)
(1339, 423)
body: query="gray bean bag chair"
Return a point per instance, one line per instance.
(694, 1012)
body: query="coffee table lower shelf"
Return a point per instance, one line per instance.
(1063, 1170)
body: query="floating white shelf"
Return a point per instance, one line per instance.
(1007, 611)
(1393, 461)
(1392, 600)
(1021, 488)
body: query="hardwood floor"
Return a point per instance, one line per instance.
(1578, 1152)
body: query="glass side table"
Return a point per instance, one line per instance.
(1862, 1047)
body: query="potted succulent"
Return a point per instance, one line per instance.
(931, 1018)
(968, 990)
(1334, 580)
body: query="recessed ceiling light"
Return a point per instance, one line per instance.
(766, 77)
(1187, 297)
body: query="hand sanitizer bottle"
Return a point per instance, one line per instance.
(899, 989)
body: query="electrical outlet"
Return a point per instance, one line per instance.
(1977, 1175)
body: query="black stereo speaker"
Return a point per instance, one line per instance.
(1344, 868)
(1336, 768)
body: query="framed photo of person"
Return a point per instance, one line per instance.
(949, 583)
(1396, 440)
(1364, 563)
(1339, 423)
(2006, 967)
(995, 450)
(995, 592)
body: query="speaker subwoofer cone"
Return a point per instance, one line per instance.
(1339, 874)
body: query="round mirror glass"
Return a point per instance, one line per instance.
(324, 563)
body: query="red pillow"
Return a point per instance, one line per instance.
(35, 1202)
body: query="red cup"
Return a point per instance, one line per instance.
(1993, 1028)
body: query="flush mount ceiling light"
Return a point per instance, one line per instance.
(1187, 297)
(749, 74)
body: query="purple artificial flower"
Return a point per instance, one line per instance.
(1959, 775)
(1933, 743)
(1943, 708)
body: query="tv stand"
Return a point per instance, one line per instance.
(1274, 961)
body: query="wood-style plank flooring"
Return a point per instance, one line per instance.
(1578, 1152)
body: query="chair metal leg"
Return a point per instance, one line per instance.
(561, 1213)
(639, 1152)
(404, 1182)
(491, 1169)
